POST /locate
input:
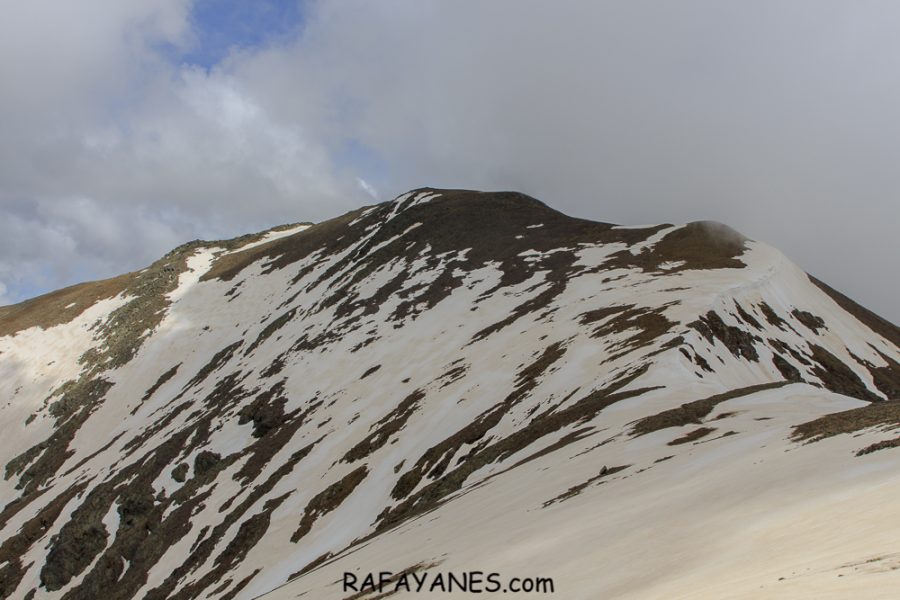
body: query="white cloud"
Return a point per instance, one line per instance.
(367, 188)
(114, 155)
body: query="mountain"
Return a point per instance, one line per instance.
(452, 382)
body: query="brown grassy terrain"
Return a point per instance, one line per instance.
(60, 306)
(877, 414)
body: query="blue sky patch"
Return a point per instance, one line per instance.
(363, 161)
(220, 25)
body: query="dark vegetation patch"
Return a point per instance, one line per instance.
(382, 431)
(787, 370)
(694, 412)
(886, 378)
(702, 245)
(135, 443)
(269, 329)
(95, 453)
(215, 363)
(234, 292)
(122, 558)
(719, 437)
(528, 378)
(249, 533)
(370, 371)
(272, 440)
(204, 549)
(206, 461)
(14, 548)
(226, 393)
(738, 341)
(786, 349)
(772, 317)
(876, 414)
(553, 289)
(697, 245)
(240, 586)
(548, 422)
(319, 560)
(180, 472)
(163, 379)
(373, 303)
(881, 326)
(601, 314)
(78, 542)
(725, 415)
(266, 411)
(126, 328)
(882, 445)
(837, 376)
(577, 489)
(40, 462)
(747, 317)
(809, 320)
(329, 236)
(364, 343)
(453, 375)
(691, 436)
(329, 499)
(648, 324)
(142, 536)
(15, 505)
(566, 440)
(696, 358)
(275, 367)
(436, 460)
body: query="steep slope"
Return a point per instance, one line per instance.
(452, 380)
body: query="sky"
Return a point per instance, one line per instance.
(128, 127)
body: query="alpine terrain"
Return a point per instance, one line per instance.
(448, 383)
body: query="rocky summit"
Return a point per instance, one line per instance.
(449, 383)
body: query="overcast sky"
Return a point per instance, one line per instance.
(130, 126)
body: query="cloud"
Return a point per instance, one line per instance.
(367, 188)
(115, 153)
(781, 120)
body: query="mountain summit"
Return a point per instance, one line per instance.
(451, 382)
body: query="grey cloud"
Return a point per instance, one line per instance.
(781, 119)
(778, 118)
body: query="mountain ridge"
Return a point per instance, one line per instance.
(107, 287)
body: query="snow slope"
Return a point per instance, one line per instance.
(452, 381)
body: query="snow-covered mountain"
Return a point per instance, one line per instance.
(453, 381)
